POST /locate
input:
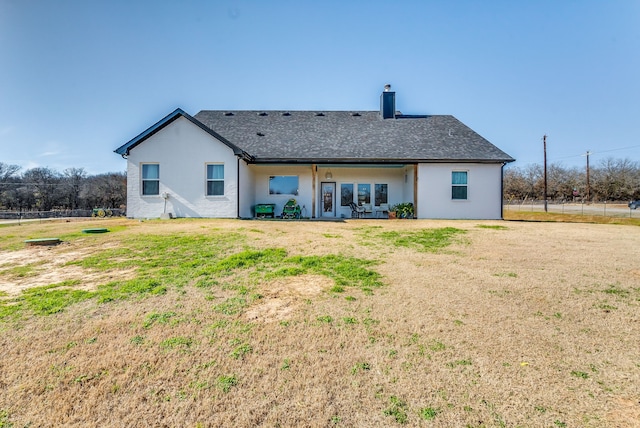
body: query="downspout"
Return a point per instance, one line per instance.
(415, 191)
(502, 191)
(314, 169)
(238, 188)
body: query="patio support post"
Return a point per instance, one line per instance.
(415, 191)
(314, 171)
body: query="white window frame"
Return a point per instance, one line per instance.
(144, 179)
(213, 180)
(464, 185)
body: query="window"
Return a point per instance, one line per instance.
(364, 194)
(215, 179)
(346, 194)
(150, 179)
(381, 194)
(459, 185)
(283, 185)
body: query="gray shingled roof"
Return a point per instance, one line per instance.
(344, 136)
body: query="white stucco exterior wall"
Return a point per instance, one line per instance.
(484, 191)
(408, 185)
(182, 150)
(260, 186)
(247, 180)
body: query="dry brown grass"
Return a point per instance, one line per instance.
(516, 324)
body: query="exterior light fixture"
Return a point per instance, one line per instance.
(328, 175)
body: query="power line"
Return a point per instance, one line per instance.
(598, 152)
(614, 150)
(555, 159)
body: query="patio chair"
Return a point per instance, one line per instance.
(383, 210)
(356, 211)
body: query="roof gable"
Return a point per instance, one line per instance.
(162, 123)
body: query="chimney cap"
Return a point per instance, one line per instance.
(387, 87)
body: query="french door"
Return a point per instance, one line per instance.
(328, 199)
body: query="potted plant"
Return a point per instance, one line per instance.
(393, 211)
(404, 210)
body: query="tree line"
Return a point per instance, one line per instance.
(609, 180)
(44, 189)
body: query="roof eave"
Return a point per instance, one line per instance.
(373, 161)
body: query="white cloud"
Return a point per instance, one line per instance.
(46, 154)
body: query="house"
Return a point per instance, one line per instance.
(224, 163)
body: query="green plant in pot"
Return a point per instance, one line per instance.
(393, 210)
(404, 210)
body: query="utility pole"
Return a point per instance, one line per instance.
(588, 186)
(544, 141)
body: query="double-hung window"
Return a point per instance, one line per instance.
(150, 179)
(215, 179)
(459, 185)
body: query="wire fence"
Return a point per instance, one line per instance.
(35, 215)
(605, 209)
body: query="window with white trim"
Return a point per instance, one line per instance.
(150, 179)
(215, 179)
(459, 185)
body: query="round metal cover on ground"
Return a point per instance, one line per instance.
(96, 230)
(43, 241)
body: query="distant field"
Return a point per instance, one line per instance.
(619, 210)
(359, 323)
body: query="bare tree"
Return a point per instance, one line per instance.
(7, 171)
(8, 180)
(565, 184)
(615, 179)
(72, 184)
(105, 190)
(515, 186)
(611, 180)
(44, 183)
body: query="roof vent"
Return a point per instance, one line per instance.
(228, 113)
(356, 114)
(263, 114)
(286, 113)
(259, 134)
(320, 114)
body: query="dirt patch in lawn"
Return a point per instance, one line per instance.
(36, 266)
(280, 298)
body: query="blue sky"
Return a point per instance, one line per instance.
(79, 78)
